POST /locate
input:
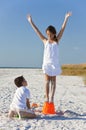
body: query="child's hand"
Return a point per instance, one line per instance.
(68, 14)
(29, 18)
(34, 105)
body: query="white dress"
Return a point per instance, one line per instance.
(51, 64)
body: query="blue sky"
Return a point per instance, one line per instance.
(21, 47)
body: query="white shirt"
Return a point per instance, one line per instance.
(20, 96)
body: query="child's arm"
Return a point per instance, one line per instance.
(28, 103)
(43, 38)
(63, 26)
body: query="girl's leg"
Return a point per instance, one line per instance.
(47, 82)
(53, 87)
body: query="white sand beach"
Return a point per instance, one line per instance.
(70, 97)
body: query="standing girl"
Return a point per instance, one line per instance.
(51, 67)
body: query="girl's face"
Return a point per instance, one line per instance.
(24, 83)
(50, 35)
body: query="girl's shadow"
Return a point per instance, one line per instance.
(68, 115)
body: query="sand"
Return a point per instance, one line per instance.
(70, 97)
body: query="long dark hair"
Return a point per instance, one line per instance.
(52, 30)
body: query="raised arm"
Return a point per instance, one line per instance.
(36, 29)
(59, 35)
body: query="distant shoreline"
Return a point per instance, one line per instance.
(63, 65)
(20, 67)
(67, 69)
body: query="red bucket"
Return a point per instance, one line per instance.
(48, 108)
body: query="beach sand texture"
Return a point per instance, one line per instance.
(70, 97)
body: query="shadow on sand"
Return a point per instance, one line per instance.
(68, 115)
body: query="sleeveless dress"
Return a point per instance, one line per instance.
(51, 64)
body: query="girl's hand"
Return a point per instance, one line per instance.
(68, 15)
(29, 18)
